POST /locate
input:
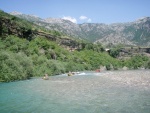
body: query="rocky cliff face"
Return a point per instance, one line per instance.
(131, 33)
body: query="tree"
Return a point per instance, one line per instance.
(114, 52)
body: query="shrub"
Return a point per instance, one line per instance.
(15, 66)
(136, 62)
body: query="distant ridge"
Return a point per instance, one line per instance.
(131, 33)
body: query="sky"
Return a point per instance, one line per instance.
(82, 11)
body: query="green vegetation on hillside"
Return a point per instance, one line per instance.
(24, 55)
(21, 59)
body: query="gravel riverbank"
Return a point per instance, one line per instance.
(140, 78)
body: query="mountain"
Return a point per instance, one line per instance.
(131, 33)
(57, 24)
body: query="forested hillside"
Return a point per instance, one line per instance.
(28, 50)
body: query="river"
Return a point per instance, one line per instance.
(87, 92)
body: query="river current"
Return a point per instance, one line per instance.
(86, 92)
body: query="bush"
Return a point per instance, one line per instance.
(15, 66)
(114, 52)
(136, 62)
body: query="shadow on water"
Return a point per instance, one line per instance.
(86, 92)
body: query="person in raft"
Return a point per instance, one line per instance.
(45, 77)
(70, 73)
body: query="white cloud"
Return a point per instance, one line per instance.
(82, 17)
(85, 19)
(72, 19)
(89, 20)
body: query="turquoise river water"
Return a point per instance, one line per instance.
(87, 92)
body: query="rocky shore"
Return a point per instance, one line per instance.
(139, 78)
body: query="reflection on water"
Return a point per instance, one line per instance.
(87, 92)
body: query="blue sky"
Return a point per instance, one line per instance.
(81, 11)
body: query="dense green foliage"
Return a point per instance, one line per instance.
(22, 58)
(15, 66)
(137, 61)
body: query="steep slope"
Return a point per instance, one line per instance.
(11, 25)
(131, 33)
(64, 26)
